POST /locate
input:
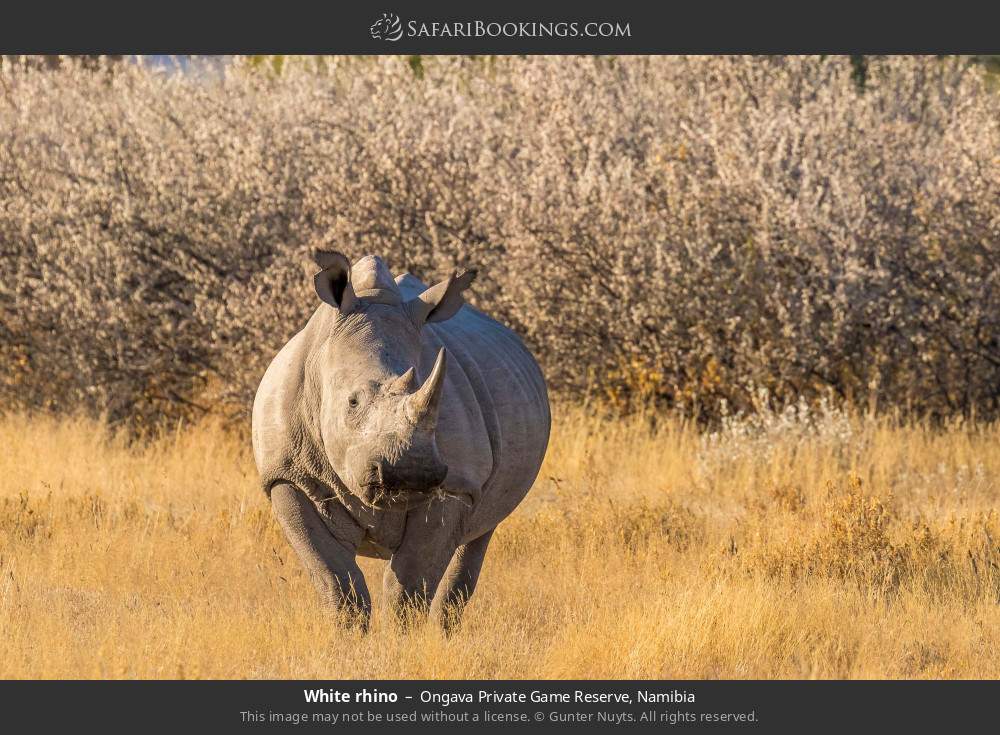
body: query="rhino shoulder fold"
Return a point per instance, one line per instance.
(279, 432)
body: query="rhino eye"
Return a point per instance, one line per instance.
(353, 401)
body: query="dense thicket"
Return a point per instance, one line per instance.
(691, 230)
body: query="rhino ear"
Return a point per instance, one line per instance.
(442, 300)
(333, 283)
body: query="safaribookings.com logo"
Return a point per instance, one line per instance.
(390, 28)
(387, 28)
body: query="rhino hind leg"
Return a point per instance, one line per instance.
(329, 562)
(459, 581)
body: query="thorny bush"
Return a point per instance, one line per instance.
(689, 231)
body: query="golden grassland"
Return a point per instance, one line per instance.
(824, 547)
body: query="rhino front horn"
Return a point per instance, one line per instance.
(422, 406)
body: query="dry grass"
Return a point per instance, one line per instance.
(823, 546)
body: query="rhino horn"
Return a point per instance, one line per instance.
(404, 383)
(422, 406)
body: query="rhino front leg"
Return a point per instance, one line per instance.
(329, 562)
(459, 581)
(417, 566)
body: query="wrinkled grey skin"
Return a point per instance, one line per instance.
(400, 424)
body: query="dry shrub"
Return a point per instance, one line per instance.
(860, 539)
(683, 230)
(19, 519)
(855, 543)
(788, 497)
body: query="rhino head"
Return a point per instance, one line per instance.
(378, 422)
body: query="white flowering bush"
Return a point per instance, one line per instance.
(685, 230)
(768, 429)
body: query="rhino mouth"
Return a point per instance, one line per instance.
(388, 485)
(379, 495)
(381, 498)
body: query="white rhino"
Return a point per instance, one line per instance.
(402, 424)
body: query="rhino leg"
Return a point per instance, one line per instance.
(329, 562)
(420, 561)
(459, 581)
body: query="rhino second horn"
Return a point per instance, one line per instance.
(404, 383)
(422, 406)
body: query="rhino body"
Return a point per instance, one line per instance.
(401, 424)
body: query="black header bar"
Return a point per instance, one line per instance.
(447, 26)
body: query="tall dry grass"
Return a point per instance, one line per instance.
(802, 544)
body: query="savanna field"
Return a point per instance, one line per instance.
(756, 244)
(810, 543)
